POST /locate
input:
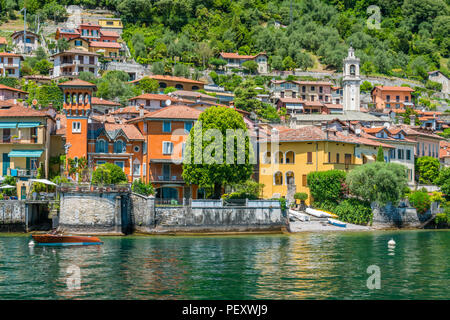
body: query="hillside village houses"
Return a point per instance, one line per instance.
(32, 41)
(235, 61)
(327, 128)
(10, 64)
(70, 63)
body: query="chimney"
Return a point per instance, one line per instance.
(412, 119)
(358, 129)
(141, 113)
(324, 126)
(58, 124)
(15, 101)
(400, 120)
(345, 131)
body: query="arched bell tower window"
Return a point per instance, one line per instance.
(352, 70)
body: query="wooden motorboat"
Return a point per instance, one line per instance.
(320, 213)
(65, 240)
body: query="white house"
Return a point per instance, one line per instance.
(441, 78)
(31, 42)
(235, 60)
(70, 63)
(10, 64)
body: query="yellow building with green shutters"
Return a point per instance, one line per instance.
(24, 143)
(297, 152)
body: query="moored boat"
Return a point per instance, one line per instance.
(65, 240)
(320, 213)
(337, 223)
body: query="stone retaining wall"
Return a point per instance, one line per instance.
(400, 217)
(93, 212)
(12, 215)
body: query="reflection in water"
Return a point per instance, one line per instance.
(301, 266)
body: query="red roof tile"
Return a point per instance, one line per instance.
(3, 87)
(130, 130)
(103, 44)
(76, 83)
(153, 96)
(8, 109)
(104, 102)
(388, 88)
(3, 40)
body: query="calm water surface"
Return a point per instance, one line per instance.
(300, 266)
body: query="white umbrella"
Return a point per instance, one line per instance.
(7, 187)
(44, 181)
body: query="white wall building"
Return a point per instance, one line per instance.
(10, 64)
(351, 82)
(70, 63)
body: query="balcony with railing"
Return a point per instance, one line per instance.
(22, 173)
(167, 178)
(10, 140)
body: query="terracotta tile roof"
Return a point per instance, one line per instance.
(8, 109)
(235, 55)
(108, 33)
(334, 106)
(175, 112)
(315, 133)
(76, 83)
(172, 112)
(415, 131)
(89, 24)
(388, 88)
(398, 110)
(153, 96)
(10, 54)
(313, 104)
(75, 51)
(104, 118)
(129, 110)
(130, 130)
(291, 100)
(373, 130)
(169, 78)
(191, 94)
(3, 87)
(444, 151)
(325, 83)
(103, 44)
(3, 40)
(104, 102)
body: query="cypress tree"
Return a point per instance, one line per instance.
(380, 155)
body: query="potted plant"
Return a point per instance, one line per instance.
(15, 138)
(302, 196)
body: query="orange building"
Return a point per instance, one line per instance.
(117, 143)
(77, 108)
(165, 132)
(392, 97)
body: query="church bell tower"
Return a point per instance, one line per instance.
(351, 82)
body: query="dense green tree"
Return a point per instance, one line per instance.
(158, 67)
(378, 181)
(250, 66)
(443, 181)
(108, 173)
(206, 162)
(428, 169)
(148, 85)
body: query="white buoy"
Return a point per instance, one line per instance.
(31, 243)
(391, 243)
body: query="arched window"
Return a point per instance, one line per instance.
(352, 70)
(278, 178)
(101, 146)
(290, 177)
(119, 146)
(162, 85)
(267, 158)
(290, 157)
(179, 86)
(195, 88)
(279, 157)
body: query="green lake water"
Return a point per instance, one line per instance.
(297, 266)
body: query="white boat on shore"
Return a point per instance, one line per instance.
(319, 213)
(298, 215)
(337, 223)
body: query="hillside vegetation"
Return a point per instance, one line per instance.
(412, 38)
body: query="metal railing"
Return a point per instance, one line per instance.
(94, 188)
(23, 173)
(160, 202)
(174, 178)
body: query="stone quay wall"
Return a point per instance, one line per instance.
(106, 212)
(12, 215)
(213, 216)
(114, 213)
